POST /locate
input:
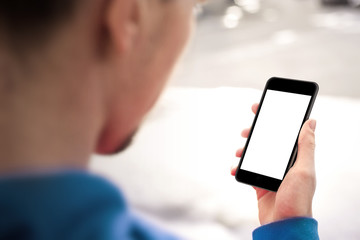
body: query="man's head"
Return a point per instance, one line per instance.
(98, 65)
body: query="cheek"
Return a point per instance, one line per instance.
(176, 32)
(182, 27)
(172, 37)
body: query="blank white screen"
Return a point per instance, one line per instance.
(275, 133)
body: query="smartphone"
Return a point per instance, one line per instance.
(271, 148)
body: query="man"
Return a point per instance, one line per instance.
(77, 77)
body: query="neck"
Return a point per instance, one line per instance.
(45, 123)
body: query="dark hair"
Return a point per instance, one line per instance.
(28, 22)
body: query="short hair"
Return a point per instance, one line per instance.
(24, 23)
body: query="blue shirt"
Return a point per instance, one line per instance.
(300, 228)
(79, 205)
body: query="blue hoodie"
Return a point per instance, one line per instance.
(79, 205)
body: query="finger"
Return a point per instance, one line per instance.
(255, 107)
(306, 147)
(239, 152)
(233, 170)
(245, 133)
(260, 192)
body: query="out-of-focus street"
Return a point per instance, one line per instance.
(297, 39)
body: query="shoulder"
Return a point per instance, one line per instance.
(69, 205)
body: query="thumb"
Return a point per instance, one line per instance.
(306, 146)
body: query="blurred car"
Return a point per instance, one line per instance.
(215, 7)
(219, 7)
(353, 3)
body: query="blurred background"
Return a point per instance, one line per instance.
(177, 172)
(243, 42)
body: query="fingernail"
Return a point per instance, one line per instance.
(312, 124)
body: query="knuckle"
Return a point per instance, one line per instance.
(306, 175)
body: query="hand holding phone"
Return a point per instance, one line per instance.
(271, 148)
(295, 194)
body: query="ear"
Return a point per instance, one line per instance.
(123, 23)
